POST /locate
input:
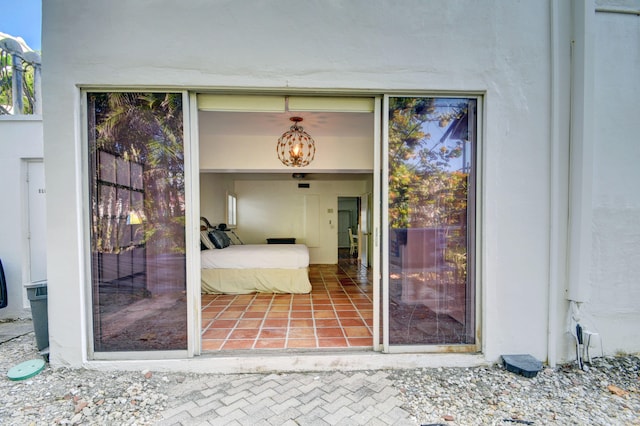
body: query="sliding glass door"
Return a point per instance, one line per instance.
(137, 221)
(428, 265)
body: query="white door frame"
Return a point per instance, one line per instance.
(474, 265)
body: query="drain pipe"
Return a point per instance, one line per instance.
(557, 181)
(580, 159)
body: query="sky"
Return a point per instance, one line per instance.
(22, 18)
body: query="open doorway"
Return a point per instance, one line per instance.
(348, 226)
(338, 311)
(280, 203)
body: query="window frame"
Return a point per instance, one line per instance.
(231, 210)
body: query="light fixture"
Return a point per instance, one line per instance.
(295, 147)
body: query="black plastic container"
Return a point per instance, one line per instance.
(4, 300)
(524, 365)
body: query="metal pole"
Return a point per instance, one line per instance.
(16, 84)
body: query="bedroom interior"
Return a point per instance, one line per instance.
(337, 312)
(334, 308)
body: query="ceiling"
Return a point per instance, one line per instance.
(345, 124)
(289, 174)
(274, 124)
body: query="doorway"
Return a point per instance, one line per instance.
(36, 214)
(273, 201)
(348, 226)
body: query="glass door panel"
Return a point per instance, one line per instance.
(137, 230)
(431, 180)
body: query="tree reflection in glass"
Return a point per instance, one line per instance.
(431, 165)
(137, 235)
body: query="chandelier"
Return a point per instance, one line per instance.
(295, 147)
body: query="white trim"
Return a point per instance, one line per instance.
(192, 221)
(558, 179)
(384, 222)
(433, 349)
(259, 362)
(283, 103)
(374, 227)
(84, 233)
(478, 225)
(231, 224)
(20, 117)
(138, 355)
(478, 244)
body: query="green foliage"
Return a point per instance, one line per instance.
(147, 129)
(423, 189)
(6, 91)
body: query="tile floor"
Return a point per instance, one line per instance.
(338, 313)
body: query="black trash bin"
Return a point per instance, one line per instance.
(3, 288)
(37, 293)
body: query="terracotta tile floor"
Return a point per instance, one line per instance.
(338, 313)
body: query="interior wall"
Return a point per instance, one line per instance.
(276, 209)
(251, 152)
(213, 197)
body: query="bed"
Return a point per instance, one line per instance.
(250, 268)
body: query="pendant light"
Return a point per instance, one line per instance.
(296, 147)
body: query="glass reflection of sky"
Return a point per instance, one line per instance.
(451, 134)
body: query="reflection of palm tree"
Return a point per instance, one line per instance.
(147, 128)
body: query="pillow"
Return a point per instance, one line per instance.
(226, 238)
(219, 239)
(204, 240)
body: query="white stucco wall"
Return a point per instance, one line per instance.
(213, 196)
(20, 140)
(615, 272)
(495, 48)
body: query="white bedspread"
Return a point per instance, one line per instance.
(254, 256)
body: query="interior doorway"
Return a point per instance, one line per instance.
(348, 225)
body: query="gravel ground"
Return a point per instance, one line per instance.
(607, 394)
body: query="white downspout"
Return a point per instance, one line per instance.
(556, 225)
(581, 154)
(581, 150)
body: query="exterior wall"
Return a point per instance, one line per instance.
(502, 50)
(20, 139)
(615, 271)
